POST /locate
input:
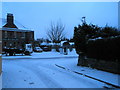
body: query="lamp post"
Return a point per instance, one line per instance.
(119, 15)
(83, 20)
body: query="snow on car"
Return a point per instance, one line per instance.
(37, 49)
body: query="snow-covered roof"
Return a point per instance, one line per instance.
(61, 43)
(51, 43)
(14, 29)
(71, 43)
(96, 38)
(19, 25)
(45, 43)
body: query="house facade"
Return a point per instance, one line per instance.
(14, 36)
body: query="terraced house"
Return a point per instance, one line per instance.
(14, 34)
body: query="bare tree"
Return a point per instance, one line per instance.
(56, 32)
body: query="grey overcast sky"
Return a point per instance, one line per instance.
(38, 15)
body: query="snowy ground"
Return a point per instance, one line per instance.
(40, 71)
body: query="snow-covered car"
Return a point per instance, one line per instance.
(37, 49)
(46, 48)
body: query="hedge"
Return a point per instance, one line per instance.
(105, 49)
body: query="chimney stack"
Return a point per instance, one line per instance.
(10, 21)
(10, 18)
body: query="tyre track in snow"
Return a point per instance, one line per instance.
(47, 80)
(12, 75)
(70, 75)
(50, 82)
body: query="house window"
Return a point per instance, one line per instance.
(5, 34)
(31, 35)
(18, 34)
(15, 34)
(23, 35)
(5, 44)
(14, 43)
(10, 34)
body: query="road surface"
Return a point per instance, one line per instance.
(43, 73)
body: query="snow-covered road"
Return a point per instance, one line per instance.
(43, 73)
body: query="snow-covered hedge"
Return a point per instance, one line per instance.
(105, 49)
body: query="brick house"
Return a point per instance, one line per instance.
(15, 35)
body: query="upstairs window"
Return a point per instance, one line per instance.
(23, 35)
(6, 34)
(15, 34)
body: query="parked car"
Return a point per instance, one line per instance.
(37, 49)
(46, 48)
